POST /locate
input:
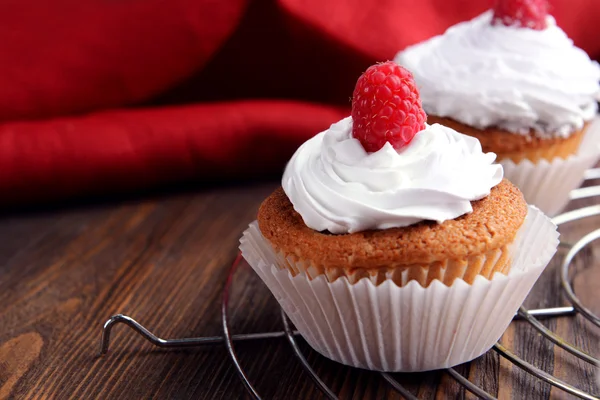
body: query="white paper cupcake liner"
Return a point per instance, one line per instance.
(547, 184)
(409, 328)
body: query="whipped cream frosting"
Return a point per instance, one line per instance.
(336, 186)
(513, 78)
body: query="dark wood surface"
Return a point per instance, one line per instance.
(164, 261)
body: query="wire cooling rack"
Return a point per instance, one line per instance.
(531, 316)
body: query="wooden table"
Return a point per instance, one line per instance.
(164, 261)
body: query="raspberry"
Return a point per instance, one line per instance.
(521, 13)
(386, 107)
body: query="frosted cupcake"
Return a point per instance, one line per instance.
(392, 243)
(514, 80)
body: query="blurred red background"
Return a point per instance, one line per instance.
(120, 95)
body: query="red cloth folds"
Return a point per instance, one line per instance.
(124, 150)
(68, 56)
(222, 88)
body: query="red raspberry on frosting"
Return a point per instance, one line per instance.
(386, 107)
(521, 13)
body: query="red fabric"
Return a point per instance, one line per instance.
(65, 61)
(69, 56)
(117, 149)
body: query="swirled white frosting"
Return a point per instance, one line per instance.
(336, 186)
(513, 78)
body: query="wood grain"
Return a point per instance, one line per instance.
(164, 261)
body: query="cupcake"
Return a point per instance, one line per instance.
(514, 80)
(395, 245)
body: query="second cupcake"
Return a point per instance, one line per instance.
(514, 80)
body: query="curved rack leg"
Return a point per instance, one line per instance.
(208, 340)
(149, 336)
(175, 343)
(133, 324)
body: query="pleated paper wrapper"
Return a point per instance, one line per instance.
(547, 184)
(410, 328)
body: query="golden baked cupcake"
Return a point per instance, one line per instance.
(514, 80)
(463, 248)
(391, 242)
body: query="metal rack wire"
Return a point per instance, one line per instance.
(530, 316)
